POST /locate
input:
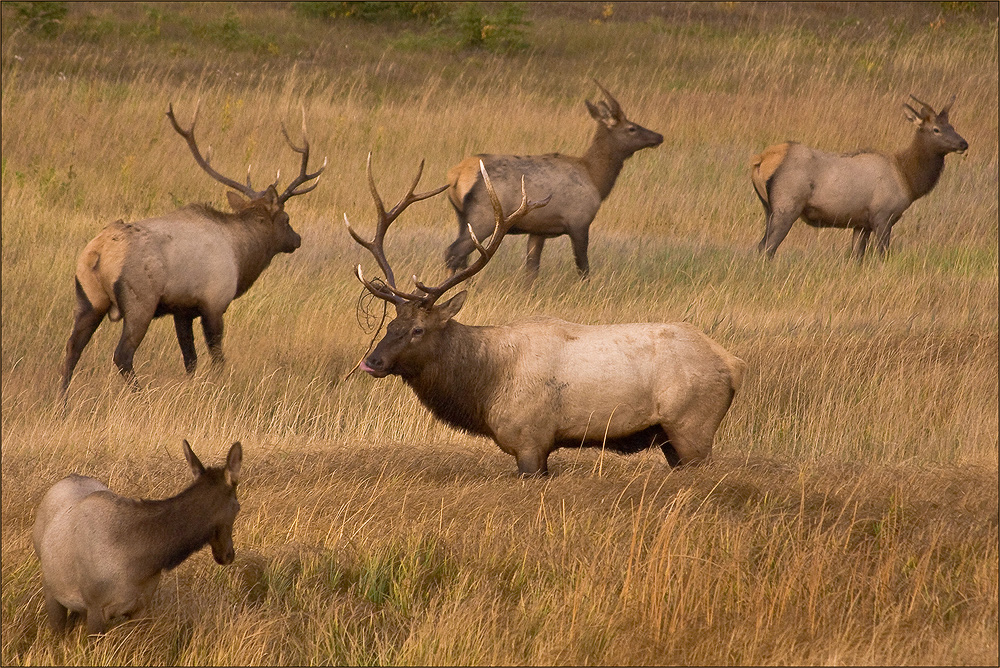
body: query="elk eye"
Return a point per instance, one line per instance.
(631, 128)
(417, 331)
(937, 131)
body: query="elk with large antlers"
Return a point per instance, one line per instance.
(541, 384)
(189, 263)
(577, 186)
(865, 191)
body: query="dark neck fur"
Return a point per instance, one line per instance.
(166, 532)
(459, 384)
(604, 162)
(920, 166)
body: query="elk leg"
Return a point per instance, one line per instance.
(95, 621)
(86, 319)
(580, 240)
(533, 258)
(532, 463)
(859, 242)
(135, 325)
(56, 613)
(673, 459)
(456, 257)
(778, 225)
(184, 326)
(211, 324)
(882, 234)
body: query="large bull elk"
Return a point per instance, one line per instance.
(865, 191)
(541, 384)
(189, 263)
(577, 185)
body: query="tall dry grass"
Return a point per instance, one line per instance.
(850, 515)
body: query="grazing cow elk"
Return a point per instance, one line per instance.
(577, 187)
(865, 191)
(102, 554)
(189, 263)
(541, 384)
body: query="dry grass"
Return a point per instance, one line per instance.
(850, 515)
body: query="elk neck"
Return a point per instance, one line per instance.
(460, 382)
(604, 161)
(163, 533)
(920, 166)
(253, 248)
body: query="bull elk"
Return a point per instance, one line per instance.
(865, 191)
(541, 384)
(189, 263)
(577, 185)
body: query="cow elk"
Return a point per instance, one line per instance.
(102, 555)
(541, 384)
(865, 191)
(189, 263)
(577, 186)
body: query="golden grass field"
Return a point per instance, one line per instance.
(850, 513)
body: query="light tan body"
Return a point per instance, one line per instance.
(185, 257)
(94, 573)
(576, 384)
(865, 191)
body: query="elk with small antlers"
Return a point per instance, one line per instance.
(189, 263)
(541, 384)
(577, 186)
(865, 191)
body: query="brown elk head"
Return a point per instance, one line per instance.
(412, 337)
(217, 491)
(933, 128)
(265, 205)
(624, 135)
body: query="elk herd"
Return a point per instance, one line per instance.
(532, 386)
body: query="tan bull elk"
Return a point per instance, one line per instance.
(865, 191)
(189, 263)
(541, 384)
(577, 186)
(102, 555)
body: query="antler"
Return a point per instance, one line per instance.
(203, 162)
(926, 110)
(388, 290)
(248, 189)
(303, 176)
(611, 103)
(500, 229)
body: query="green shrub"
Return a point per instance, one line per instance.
(45, 18)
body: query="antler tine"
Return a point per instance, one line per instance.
(486, 252)
(202, 162)
(926, 107)
(304, 176)
(612, 103)
(946, 108)
(376, 246)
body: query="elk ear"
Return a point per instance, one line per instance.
(192, 459)
(271, 197)
(450, 308)
(595, 112)
(237, 202)
(233, 462)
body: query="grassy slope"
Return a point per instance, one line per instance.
(851, 513)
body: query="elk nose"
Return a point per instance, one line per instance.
(963, 146)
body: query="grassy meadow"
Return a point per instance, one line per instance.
(850, 513)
